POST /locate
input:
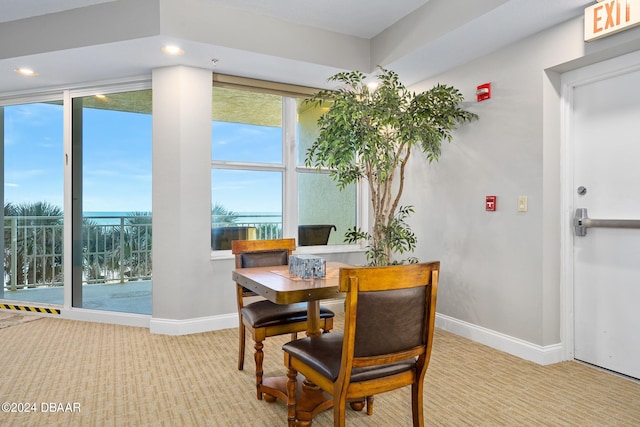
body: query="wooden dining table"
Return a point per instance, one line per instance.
(276, 284)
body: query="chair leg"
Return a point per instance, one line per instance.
(339, 410)
(259, 358)
(241, 341)
(369, 405)
(416, 404)
(292, 386)
(327, 326)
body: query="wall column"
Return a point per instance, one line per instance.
(181, 191)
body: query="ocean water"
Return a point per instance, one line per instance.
(113, 217)
(108, 217)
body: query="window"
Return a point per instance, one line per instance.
(321, 204)
(261, 188)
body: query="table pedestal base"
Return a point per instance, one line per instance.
(309, 401)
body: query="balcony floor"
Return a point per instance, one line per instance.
(129, 297)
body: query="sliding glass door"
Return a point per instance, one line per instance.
(111, 140)
(110, 162)
(33, 192)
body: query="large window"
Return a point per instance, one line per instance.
(261, 188)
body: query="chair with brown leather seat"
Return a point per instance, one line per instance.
(386, 344)
(264, 318)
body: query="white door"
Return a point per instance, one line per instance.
(604, 140)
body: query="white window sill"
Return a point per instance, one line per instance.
(318, 250)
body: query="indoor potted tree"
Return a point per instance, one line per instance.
(369, 133)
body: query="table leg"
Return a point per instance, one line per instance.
(313, 319)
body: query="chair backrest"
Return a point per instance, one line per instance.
(262, 253)
(310, 235)
(390, 314)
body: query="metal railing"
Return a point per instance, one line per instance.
(268, 226)
(114, 248)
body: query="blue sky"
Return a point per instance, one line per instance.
(247, 191)
(117, 160)
(33, 153)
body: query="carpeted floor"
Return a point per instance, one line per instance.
(71, 373)
(11, 318)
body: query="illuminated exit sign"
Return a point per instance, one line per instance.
(609, 17)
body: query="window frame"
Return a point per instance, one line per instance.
(289, 168)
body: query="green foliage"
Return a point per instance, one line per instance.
(223, 215)
(369, 134)
(37, 245)
(397, 236)
(33, 246)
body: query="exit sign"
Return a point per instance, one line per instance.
(609, 17)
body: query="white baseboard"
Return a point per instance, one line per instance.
(112, 317)
(213, 323)
(193, 326)
(542, 355)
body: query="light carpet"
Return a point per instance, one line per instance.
(125, 376)
(10, 318)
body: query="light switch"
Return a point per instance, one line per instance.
(522, 203)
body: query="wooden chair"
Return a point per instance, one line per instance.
(264, 318)
(386, 344)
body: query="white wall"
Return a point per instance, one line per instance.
(191, 291)
(500, 279)
(181, 192)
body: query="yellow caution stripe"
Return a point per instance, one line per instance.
(30, 309)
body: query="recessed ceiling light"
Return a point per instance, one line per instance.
(172, 50)
(26, 72)
(373, 86)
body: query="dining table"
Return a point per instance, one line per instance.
(278, 285)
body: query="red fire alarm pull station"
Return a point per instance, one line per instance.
(483, 92)
(490, 203)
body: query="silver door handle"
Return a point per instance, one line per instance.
(581, 222)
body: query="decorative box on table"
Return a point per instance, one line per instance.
(307, 266)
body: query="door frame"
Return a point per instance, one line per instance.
(570, 80)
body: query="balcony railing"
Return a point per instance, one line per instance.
(268, 226)
(114, 249)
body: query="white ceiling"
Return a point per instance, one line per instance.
(12, 10)
(508, 21)
(361, 18)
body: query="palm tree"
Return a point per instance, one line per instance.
(98, 246)
(9, 210)
(222, 215)
(138, 242)
(38, 242)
